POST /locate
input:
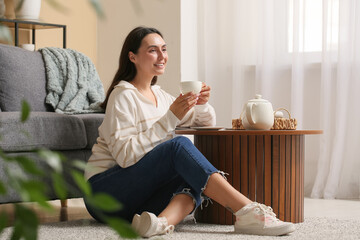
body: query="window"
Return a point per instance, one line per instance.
(306, 25)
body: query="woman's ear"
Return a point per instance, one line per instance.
(132, 57)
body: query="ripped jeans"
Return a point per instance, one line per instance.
(173, 167)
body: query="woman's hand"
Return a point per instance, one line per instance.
(204, 94)
(183, 104)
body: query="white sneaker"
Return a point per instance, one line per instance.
(148, 225)
(259, 219)
(136, 222)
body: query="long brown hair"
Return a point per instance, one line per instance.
(127, 70)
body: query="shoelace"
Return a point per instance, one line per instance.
(266, 211)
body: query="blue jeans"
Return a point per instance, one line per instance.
(173, 167)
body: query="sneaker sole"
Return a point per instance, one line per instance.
(266, 231)
(136, 222)
(146, 225)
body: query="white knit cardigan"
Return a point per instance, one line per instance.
(133, 126)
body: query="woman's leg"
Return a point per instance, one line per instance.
(187, 159)
(217, 189)
(202, 177)
(223, 193)
(251, 217)
(179, 207)
(136, 188)
(182, 157)
(136, 185)
(154, 219)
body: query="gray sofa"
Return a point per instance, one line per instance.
(22, 76)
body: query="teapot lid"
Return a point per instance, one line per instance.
(258, 98)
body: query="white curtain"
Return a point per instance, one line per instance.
(303, 55)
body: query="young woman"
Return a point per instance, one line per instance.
(159, 178)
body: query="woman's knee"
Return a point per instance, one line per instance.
(181, 140)
(181, 143)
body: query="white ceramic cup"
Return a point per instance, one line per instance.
(27, 46)
(190, 86)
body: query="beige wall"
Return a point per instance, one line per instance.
(81, 27)
(79, 18)
(122, 17)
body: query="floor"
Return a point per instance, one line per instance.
(75, 210)
(340, 209)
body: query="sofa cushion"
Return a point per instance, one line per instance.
(43, 129)
(92, 123)
(22, 76)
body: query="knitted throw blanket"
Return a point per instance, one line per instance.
(73, 84)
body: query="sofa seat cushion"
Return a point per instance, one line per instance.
(43, 129)
(22, 76)
(92, 123)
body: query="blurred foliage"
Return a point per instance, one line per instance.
(27, 179)
(5, 35)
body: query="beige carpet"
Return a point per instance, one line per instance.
(312, 228)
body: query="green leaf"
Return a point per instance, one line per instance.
(2, 188)
(79, 164)
(98, 8)
(121, 227)
(26, 223)
(34, 191)
(4, 156)
(28, 165)
(53, 159)
(105, 202)
(25, 111)
(59, 185)
(3, 221)
(17, 232)
(5, 34)
(58, 6)
(81, 182)
(15, 174)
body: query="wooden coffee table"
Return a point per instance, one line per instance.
(265, 166)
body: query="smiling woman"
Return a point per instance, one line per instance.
(159, 178)
(134, 53)
(150, 59)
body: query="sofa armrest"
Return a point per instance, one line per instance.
(92, 123)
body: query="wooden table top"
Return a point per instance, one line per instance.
(227, 131)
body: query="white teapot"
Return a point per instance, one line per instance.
(258, 114)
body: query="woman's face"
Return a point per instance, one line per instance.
(151, 57)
